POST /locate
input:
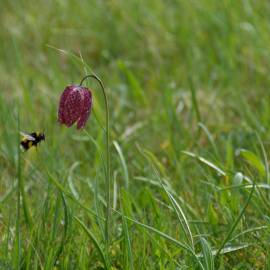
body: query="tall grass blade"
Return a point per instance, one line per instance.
(70, 179)
(265, 159)
(208, 257)
(194, 100)
(206, 162)
(123, 163)
(181, 218)
(95, 242)
(18, 251)
(227, 238)
(209, 136)
(165, 236)
(128, 248)
(252, 159)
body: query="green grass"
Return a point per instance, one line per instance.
(188, 87)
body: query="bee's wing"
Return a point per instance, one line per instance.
(27, 136)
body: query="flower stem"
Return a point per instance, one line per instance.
(18, 220)
(108, 184)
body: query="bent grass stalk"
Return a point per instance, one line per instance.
(108, 178)
(18, 220)
(236, 221)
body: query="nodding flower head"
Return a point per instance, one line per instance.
(75, 106)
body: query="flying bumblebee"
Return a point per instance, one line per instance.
(31, 139)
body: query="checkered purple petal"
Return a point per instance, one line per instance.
(86, 108)
(75, 106)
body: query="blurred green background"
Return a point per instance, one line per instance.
(180, 76)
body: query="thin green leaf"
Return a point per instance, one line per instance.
(207, 254)
(70, 179)
(181, 217)
(123, 162)
(165, 236)
(95, 242)
(252, 159)
(236, 222)
(206, 162)
(130, 261)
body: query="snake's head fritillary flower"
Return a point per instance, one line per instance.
(75, 106)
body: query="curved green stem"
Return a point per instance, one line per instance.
(18, 220)
(236, 221)
(108, 193)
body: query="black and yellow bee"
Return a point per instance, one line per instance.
(31, 139)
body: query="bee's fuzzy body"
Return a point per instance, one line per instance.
(32, 139)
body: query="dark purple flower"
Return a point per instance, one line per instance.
(75, 106)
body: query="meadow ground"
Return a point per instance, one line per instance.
(189, 92)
